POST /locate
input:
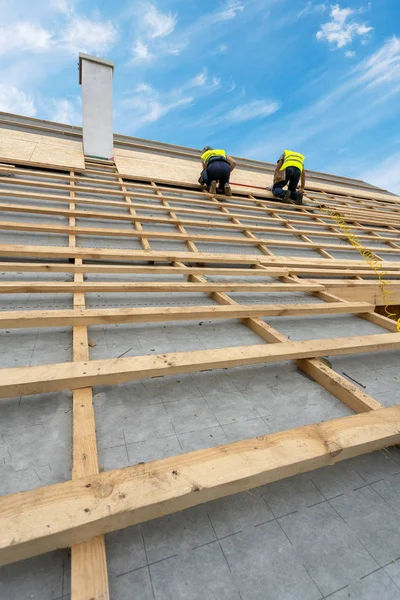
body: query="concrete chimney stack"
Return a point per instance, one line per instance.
(95, 77)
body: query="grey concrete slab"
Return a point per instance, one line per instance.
(292, 494)
(264, 564)
(377, 585)
(177, 533)
(122, 587)
(200, 573)
(374, 521)
(40, 578)
(328, 548)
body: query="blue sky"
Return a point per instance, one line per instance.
(252, 76)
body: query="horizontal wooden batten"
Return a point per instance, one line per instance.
(209, 224)
(31, 267)
(55, 318)
(222, 239)
(111, 254)
(56, 377)
(60, 515)
(61, 287)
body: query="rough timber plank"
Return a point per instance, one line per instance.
(21, 381)
(163, 235)
(55, 318)
(89, 575)
(46, 287)
(58, 516)
(53, 252)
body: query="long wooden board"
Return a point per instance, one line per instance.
(21, 381)
(107, 316)
(60, 515)
(110, 254)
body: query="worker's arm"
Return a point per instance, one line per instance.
(278, 166)
(303, 180)
(203, 163)
(231, 162)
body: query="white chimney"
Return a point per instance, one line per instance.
(95, 77)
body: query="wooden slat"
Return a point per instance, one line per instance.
(21, 381)
(62, 287)
(42, 520)
(89, 575)
(56, 318)
(31, 267)
(164, 235)
(55, 252)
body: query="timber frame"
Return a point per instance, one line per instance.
(240, 237)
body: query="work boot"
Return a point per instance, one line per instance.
(299, 200)
(286, 199)
(213, 187)
(227, 190)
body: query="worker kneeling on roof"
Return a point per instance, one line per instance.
(289, 170)
(217, 169)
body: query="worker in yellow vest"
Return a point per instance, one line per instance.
(289, 171)
(217, 169)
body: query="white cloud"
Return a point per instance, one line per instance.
(66, 111)
(350, 54)
(157, 23)
(229, 11)
(311, 8)
(13, 100)
(341, 30)
(141, 52)
(257, 109)
(24, 37)
(87, 35)
(147, 105)
(381, 67)
(385, 174)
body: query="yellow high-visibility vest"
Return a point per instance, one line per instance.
(210, 153)
(292, 159)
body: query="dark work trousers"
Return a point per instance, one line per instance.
(219, 171)
(292, 180)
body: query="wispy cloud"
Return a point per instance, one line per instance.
(157, 34)
(152, 27)
(346, 109)
(88, 35)
(148, 105)
(66, 111)
(257, 109)
(157, 23)
(24, 36)
(386, 174)
(342, 29)
(14, 100)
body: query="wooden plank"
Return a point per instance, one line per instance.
(59, 252)
(60, 515)
(46, 287)
(21, 381)
(89, 575)
(56, 318)
(31, 267)
(223, 239)
(209, 224)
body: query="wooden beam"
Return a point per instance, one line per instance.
(21, 381)
(59, 252)
(165, 235)
(107, 316)
(31, 267)
(62, 287)
(60, 515)
(89, 575)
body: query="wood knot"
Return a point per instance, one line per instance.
(105, 490)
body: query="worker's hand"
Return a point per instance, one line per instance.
(301, 189)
